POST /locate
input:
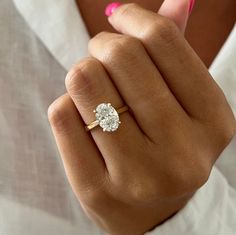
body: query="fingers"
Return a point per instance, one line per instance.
(178, 11)
(89, 85)
(83, 163)
(183, 71)
(137, 79)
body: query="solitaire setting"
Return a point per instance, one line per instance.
(107, 117)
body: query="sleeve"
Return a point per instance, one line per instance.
(212, 211)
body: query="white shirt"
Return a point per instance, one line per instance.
(35, 197)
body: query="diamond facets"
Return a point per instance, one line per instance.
(107, 117)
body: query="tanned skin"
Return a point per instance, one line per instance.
(208, 27)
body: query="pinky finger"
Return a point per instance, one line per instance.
(84, 165)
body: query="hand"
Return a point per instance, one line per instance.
(179, 122)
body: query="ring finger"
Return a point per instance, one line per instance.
(89, 85)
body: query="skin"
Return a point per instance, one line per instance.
(205, 24)
(179, 121)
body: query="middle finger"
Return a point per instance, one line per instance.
(138, 80)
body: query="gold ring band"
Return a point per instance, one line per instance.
(96, 123)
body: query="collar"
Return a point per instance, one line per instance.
(59, 25)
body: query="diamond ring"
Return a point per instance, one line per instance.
(107, 117)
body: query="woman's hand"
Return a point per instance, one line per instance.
(179, 122)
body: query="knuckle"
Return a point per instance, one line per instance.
(200, 176)
(197, 177)
(97, 37)
(163, 29)
(226, 125)
(114, 47)
(221, 123)
(228, 133)
(58, 115)
(121, 47)
(78, 80)
(98, 40)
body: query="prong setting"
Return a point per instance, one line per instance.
(108, 117)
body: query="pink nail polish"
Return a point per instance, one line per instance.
(111, 8)
(191, 5)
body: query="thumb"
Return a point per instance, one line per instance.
(178, 11)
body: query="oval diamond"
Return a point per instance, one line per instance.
(108, 117)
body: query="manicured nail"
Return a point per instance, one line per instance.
(111, 8)
(191, 6)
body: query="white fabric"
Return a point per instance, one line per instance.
(210, 212)
(60, 27)
(34, 195)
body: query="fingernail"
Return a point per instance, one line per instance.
(191, 6)
(110, 8)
